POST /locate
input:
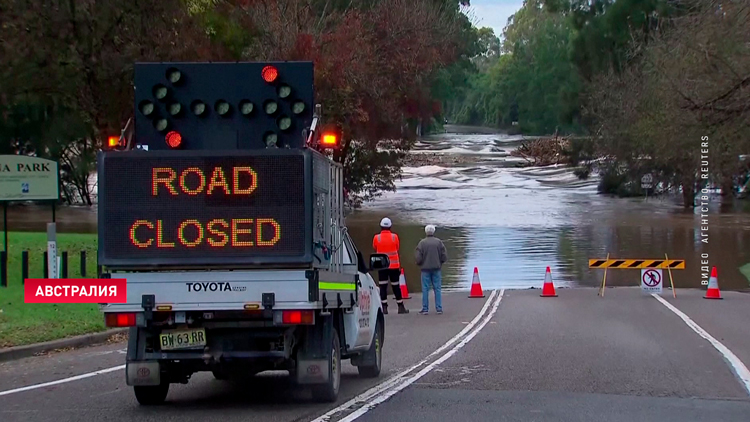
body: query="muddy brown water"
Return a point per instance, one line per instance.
(511, 223)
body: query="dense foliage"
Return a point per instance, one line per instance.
(380, 69)
(647, 82)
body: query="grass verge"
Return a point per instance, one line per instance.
(22, 323)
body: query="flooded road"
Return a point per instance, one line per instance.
(512, 222)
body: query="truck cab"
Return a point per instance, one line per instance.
(224, 215)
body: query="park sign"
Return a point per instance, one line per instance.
(26, 178)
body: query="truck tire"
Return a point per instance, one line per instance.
(376, 351)
(150, 395)
(329, 391)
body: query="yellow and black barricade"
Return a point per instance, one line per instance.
(634, 264)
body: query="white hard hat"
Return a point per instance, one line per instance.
(429, 230)
(386, 222)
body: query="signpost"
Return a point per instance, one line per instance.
(26, 178)
(651, 281)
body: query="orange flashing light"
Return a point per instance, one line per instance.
(113, 141)
(270, 74)
(329, 139)
(173, 139)
(330, 136)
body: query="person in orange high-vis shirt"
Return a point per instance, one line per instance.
(387, 242)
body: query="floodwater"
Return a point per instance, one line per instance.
(512, 223)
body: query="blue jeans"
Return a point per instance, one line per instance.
(432, 279)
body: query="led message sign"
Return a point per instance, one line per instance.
(162, 208)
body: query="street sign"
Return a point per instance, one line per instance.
(26, 178)
(647, 181)
(651, 281)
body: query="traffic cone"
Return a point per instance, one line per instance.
(402, 283)
(476, 286)
(713, 287)
(549, 289)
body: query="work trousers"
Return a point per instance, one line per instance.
(390, 275)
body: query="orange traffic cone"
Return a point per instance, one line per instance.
(402, 284)
(549, 289)
(476, 286)
(713, 287)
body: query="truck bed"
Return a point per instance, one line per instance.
(235, 290)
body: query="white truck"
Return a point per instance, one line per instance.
(230, 233)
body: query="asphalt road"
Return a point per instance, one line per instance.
(576, 357)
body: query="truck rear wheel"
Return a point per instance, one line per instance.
(376, 352)
(329, 391)
(150, 395)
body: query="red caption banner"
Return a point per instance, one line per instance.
(75, 290)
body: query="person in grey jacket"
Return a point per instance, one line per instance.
(430, 256)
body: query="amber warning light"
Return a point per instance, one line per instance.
(330, 137)
(113, 141)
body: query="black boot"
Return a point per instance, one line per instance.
(402, 309)
(385, 309)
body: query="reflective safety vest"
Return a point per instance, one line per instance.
(387, 242)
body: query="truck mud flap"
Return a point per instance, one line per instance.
(312, 371)
(143, 373)
(312, 355)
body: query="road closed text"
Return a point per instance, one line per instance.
(194, 210)
(217, 233)
(86, 290)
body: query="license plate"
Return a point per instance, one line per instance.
(182, 339)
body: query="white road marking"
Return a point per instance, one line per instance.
(362, 397)
(62, 381)
(367, 395)
(739, 368)
(387, 394)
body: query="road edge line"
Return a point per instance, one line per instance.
(61, 381)
(388, 394)
(739, 368)
(377, 389)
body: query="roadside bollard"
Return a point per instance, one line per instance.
(64, 269)
(4, 268)
(24, 266)
(83, 264)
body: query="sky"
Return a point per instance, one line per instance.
(492, 13)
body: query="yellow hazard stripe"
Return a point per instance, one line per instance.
(674, 264)
(324, 285)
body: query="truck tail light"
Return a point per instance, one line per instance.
(120, 320)
(297, 317)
